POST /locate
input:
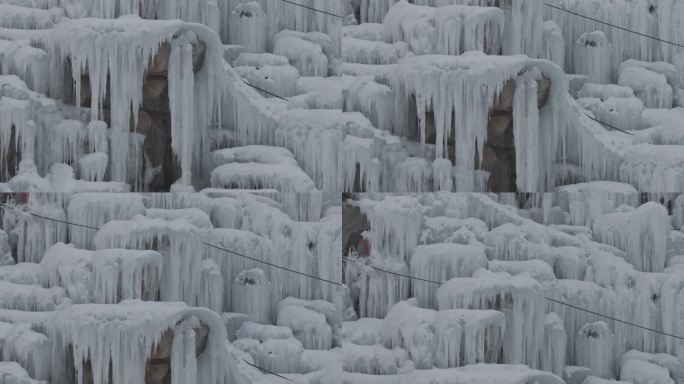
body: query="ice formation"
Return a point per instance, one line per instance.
(113, 129)
(592, 57)
(559, 270)
(77, 311)
(448, 110)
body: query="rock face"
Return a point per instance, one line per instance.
(353, 225)
(499, 152)
(154, 120)
(159, 366)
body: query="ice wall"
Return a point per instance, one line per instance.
(459, 91)
(651, 18)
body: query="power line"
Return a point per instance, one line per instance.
(311, 8)
(272, 265)
(50, 218)
(394, 273)
(265, 91)
(207, 244)
(547, 298)
(608, 125)
(614, 319)
(612, 25)
(266, 370)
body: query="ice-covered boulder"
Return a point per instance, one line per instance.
(641, 372)
(309, 327)
(555, 345)
(13, 373)
(651, 87)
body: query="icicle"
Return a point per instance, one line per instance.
(553, 44)
(442, 262)
(526, 133)
(183, 360)
(118, 340)
(211, 295)
(643, 238)
(553, 358)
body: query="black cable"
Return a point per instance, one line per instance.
(612, 25)
(207, 244)
(394, 273)
(271, 264)
(266, 370)
(311, 8)
(547, 298)
(614, 319)
(51, 219)
(608, 125)
(265, 91)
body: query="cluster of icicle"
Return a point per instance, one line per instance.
(117, 62)
(195, 11)
(449, 30)
(118, 340)
(523, 26)
(465, 87)
(262, 232)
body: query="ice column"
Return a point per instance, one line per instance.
(211, 294)
(248, 27)
(181, 102)
(252, 295)
(553, 44)
(593, 57)
(595, 349)
(526, 133)
(553, 356)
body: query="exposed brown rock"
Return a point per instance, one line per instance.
(158, 369)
